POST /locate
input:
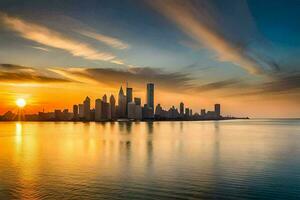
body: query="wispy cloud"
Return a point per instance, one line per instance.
(195, 19)
(40, 48)
(110, 41)
(10, 73)
(52, 38)
(277, 84)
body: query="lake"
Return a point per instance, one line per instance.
(234, 159)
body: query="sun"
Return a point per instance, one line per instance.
(21, 102)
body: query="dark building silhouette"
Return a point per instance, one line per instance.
(122, 101)
(203, 112)
(187, 112)
(137, 101)
(218, 109)
(75, 112)
(112, 103)
(87, 109)
(150, 95)
(98, 110)
(181, 108)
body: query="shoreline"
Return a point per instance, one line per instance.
(128, 120)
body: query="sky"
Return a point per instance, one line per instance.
(242, 54)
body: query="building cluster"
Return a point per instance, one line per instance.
(126, 108)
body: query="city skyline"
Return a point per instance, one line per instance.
(52, 51)
(129, 107)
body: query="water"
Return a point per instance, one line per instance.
(242, 159)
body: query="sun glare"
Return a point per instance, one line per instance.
(21, 102)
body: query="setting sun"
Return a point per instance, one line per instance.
(21, 102)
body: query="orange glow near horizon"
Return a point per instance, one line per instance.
(63, 96)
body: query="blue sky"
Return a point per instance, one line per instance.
(250, 44)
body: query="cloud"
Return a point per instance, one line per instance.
(201, 21)
(41, 48)
(110, 41)
(136, 76)
(51, 38)
(10, 73)
(230, 83)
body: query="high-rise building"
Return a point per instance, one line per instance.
(122, 104)
(187, 112)
(191, 112)
(98, 110)
(112, 103)
(137, 101)
(150, 95)
(129, 94)
(181, 108)
(147, 112)
(105, 114)
(131, 110)
(75, 112)
(138, 112)
(87, 109)
(104, 98)
(80, 108)
(218, 109)
(128, 97)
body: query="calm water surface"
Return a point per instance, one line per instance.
(243, 159)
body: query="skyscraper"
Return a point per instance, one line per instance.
(150, 95)
(181, 108)
(112, 102)
(122, 101)
(131, 110)
(80, 108)
(128, 97)
(98, 110)
(129, 94)
(87, 109)
(75, 112)
(218, 109)
(104, 98)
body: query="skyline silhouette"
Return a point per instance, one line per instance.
(128, 108)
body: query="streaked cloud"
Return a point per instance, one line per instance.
(278, 83)
(109, 41)
(197, 20)
(41, 48)
(20, 74)
(52, 38)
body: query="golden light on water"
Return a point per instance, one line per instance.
(21, 102)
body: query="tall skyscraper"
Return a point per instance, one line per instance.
(129, 94)
(150, 95)
(218, 109)
(80, 108)
(122, 101)
(131, 110)
(98, 110)
(128, 97)
(112, 102)
(181, 108)
(87, 109)
(104, 98)
(75, 112)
